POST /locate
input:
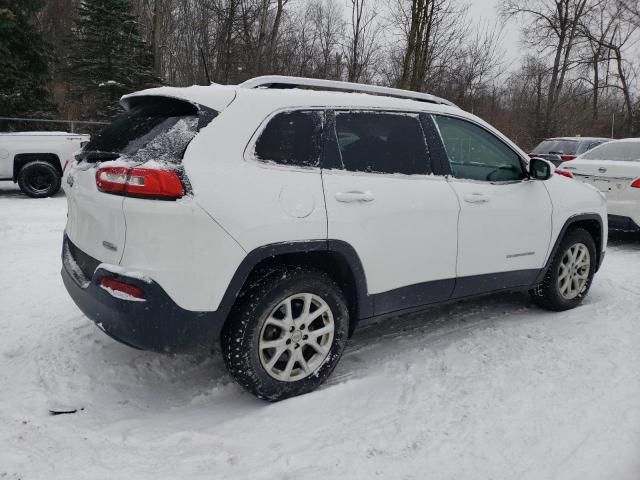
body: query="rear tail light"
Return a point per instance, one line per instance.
(140, 182)
(122, 290)
(566, 158)
(531, 155)
(636, 183)
(564, 173)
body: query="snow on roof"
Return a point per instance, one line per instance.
(219, 97)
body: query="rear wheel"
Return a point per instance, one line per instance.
(287, 333)
(569, 276)
(39, 179)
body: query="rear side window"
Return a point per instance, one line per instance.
(560, 147)
(154, 128)
(382, 143)
(292, 138)
(620, 151)
(476, 154)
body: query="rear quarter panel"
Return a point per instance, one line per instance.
(256, 202)
(181, 248)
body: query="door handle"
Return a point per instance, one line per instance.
(476, 198)
(354, 196)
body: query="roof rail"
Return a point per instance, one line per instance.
(280, 81)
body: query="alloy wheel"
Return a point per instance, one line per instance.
(574, 271)
(296, 338)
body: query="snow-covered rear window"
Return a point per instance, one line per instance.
(292, 138)
(380, 142)
(154, 129)
(620, 151)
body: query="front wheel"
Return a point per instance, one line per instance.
(287, 332)
(39, 179)
(570, 274)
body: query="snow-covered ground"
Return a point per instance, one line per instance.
(486, 389)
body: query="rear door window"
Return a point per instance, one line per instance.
(292, 138)
(154, 128)
(380, 142)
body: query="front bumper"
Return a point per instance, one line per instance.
(156, 324)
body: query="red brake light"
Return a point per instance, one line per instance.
(531, 155)
(564, 173)
(636, 183)
(140, 182)
(566, 158)
(110, 283)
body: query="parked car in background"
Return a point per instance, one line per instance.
(273, 219)
(563, 149)
(614, 169)
(35, 160)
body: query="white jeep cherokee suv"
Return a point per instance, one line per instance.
(273, 219)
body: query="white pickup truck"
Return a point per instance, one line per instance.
(36, 160)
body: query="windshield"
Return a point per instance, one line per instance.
(564, 147)
(157, 128)
(620, 151)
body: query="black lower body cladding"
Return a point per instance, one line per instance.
(156, 323)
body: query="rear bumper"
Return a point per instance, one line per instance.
(156, 324)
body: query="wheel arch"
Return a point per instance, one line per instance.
(592, 223)
(21, 159)
(335, 257)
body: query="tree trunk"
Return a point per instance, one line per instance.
(155, 38)
(274, 34)
(625, 91)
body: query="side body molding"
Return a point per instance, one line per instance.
(410, 297)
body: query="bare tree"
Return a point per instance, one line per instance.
(477, 65)
(609, 37)
(552, 25)
(329, 26)
(434, 33)
(362, 44)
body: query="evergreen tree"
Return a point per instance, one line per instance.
(24, 62)
(108, 57)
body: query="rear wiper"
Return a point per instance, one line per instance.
(96, 155)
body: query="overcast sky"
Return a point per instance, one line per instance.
(487, 10)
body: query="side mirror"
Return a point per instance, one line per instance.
(540, 169)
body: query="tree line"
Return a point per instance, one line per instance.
(576, 73)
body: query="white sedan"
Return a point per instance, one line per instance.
(614, 169)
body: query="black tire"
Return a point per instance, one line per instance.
(242, 331)
(548, 295)
(39, 179)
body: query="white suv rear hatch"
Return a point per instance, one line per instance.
(154, 131)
